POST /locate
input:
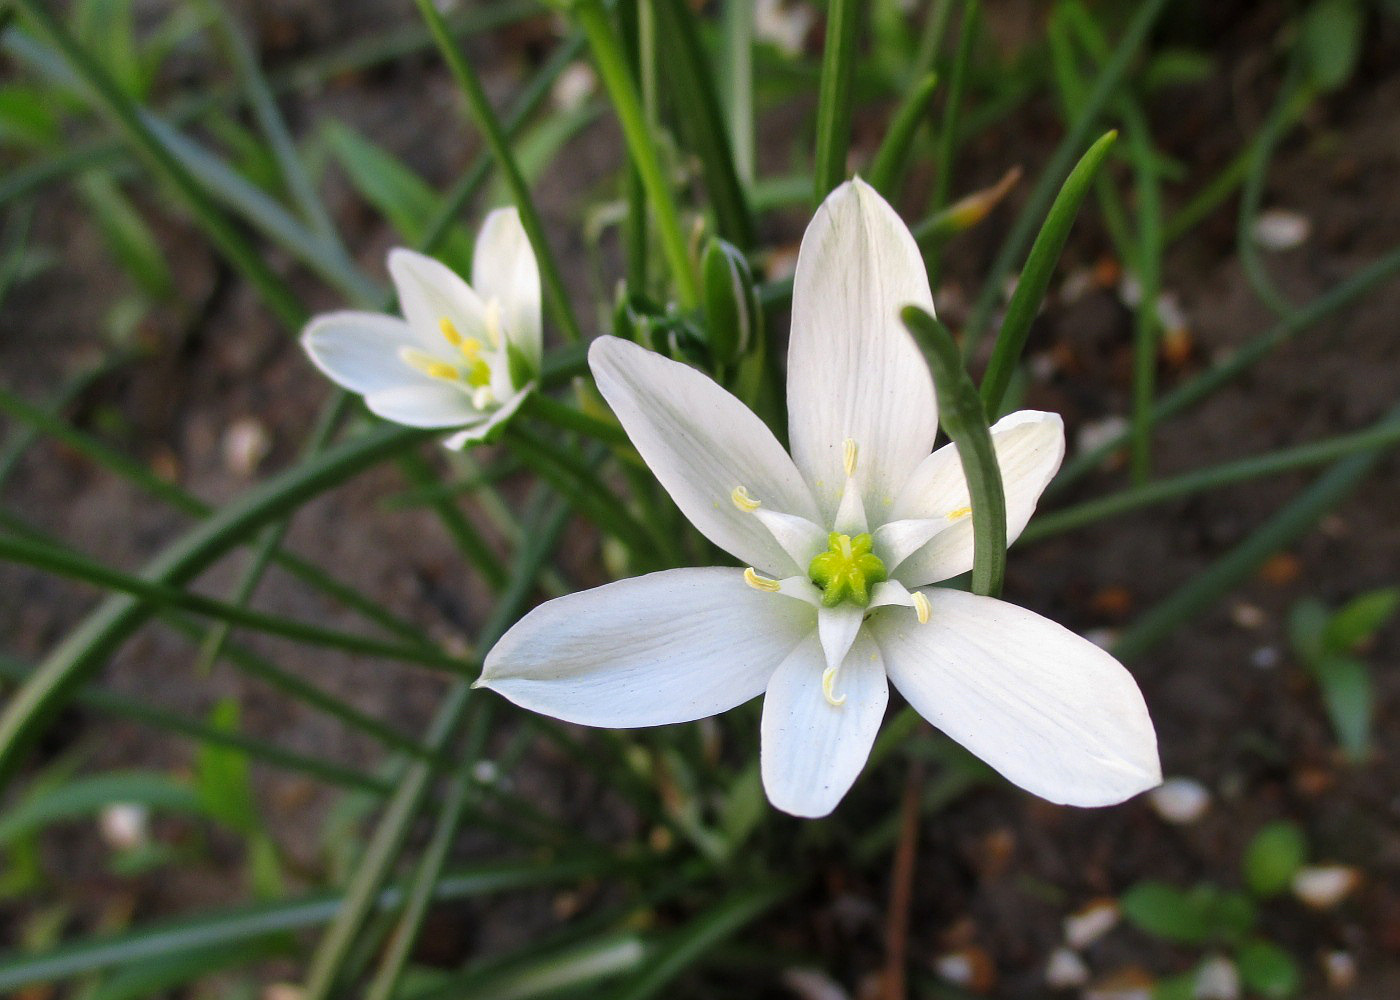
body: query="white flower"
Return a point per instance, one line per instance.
(842, 540)
(462, 356)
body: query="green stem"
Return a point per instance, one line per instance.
(738, 61)
(1149, 274)
(490, 126)
(834, 97)
(612, 67)
(893, 154)
(964, 420)
(948, 128)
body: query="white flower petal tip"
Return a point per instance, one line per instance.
(485, 430)
(811, 749)
(670, 647)
(504, 269)
(1180, 800)
(1047, 709)
(358, 350)
(853, 371)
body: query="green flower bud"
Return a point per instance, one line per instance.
(733, 315)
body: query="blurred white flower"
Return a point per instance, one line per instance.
(842, 541)
(462, 355)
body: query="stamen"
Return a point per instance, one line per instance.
(828, 683)
(850, 452)
(922, 608)
(449, 331)
(743, 501)
(761, 582)
(429, 365)
(493, 323)
(959, 514)
(471, 347)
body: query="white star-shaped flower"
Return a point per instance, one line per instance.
(462, 355)
(842, 540)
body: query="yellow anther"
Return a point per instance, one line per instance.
(828, 683)
(493, 323)
(761, 582)
(922, 609)
(743, 501)
(429, 365)
(850, 452)
(959, 514)
(449, 331)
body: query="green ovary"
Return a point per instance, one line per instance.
(847, 570)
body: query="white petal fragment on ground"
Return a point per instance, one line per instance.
(1029, 446)
(853, 370)
(504, 268)
(812, 750)
(669, 647)
(701, 443)
(359, 351)
(1046, 708)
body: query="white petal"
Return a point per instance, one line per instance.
(432, 403)
(812, 750)
(1029, 446)
(853, 370)
(896, 541)
(430, 292)
(669, 647)
(837, 628)
(701, 443)
(498, 416)
(504, 268)
(799, 537)
(1051, 711)
(359, 351)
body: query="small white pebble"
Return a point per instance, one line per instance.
(283, 991)
(1091, 923)
(1065, 970)
(1281, 229)
(1078, 284)
(1104, 638)
(1130, 290)
(575, 85)
(784, 25)
(1265, 658)
(812, 984)
(1217, 979)
(1340, 968)
(1169, 312)
(1180, 800)
(246, 444)
(486, 772)
(1324, 886)
(125, 825)
(1248, 615)
(1093, 433)
(956, 967)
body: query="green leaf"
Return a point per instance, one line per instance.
(1345, 684)
(1360, 618)
(128, 237)
(1307, 625)
(1179, 987)
(835, 97)
(221, 775)
(1177, 67)
(1189, 916)
(159, 975)
(86, 796)
(399, 194)
(1268, 970)
(26, 115)
(536, 148)
(1331, 34)
(1273, 857)
(893, 154)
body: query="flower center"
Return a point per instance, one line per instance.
(471, 363)
(847, 570)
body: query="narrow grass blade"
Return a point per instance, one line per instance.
(1206, 480)
(738, 84)
(948, 127)
(893, 155)
(622, 90)
(1206, 588)
(834, 97)
(964, 419)
(697, 106)
(1146, 325)
(1035, 277)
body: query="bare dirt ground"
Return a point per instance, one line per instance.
(999, 870)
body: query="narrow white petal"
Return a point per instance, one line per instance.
(890, 593)
(429, 292)
(431, 403)
(1029, 446)
(359, 351)
(669, 647)
(504, 268)
(498, 416)
(1051, 711)
(799, 537)
(812, 750)
(896, 541)
(837, 628)
(853, 370)
(701, 443)
(850, 516)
